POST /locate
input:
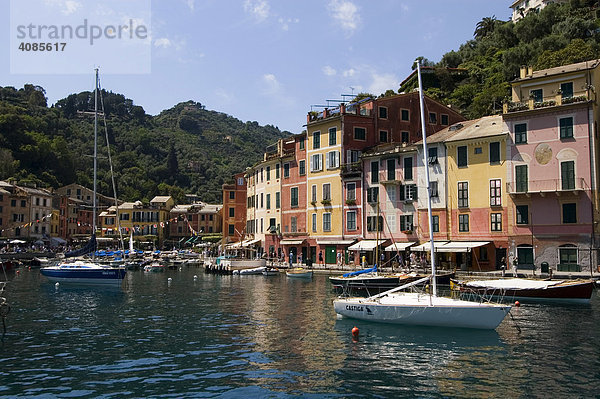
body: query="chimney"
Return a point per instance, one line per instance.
(530, 71)
(523, 72)
(342, 108)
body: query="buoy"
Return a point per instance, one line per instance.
(169, 279)
(517, 303)
(18, 271)
(56, 285)
(29, 267)
(355, 331)
(195, 277)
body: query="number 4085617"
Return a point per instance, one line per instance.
(26, 46)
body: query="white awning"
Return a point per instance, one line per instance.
(427, 246)
(399, 246)
(365, 245)
(291, 242)
(461, 246)
(250, 242)
(234, 245)
(335, 242)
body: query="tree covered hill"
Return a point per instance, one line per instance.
(185, 149)
(559, 34)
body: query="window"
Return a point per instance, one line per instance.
(23, 203)
(496, 222)
(495, 192)
(521, 133)
(435, 223)
(302, 167)
(391, 193)
(522, 212)
(231, 229)
(313, 191)
(272, 225)
(37, 202)
(316, 140)
(567, 254)
(374, 223)
(521, 178)
(391, 169)
(383, 112)
(45, 203)
(463, 194)
(240, 181)
(408, 168)
(444, 119)
(406, 222)
(353, 156)
(314, 222)
(525, 254)
(372, 194)
(332, 138)
(351, 220)
(433, 189)
(461, 153)
(569, 213)
(262, 200)
(277, 171)
(232, 195)
(404, 115)
(301, 142)
(294, 224)
(566, 90)
(432, 117)
(494, 152)
(566, 127)
(268, 201)
(327, 221)
(360, 133)
(432, 155)
(408, 192)
(351, 191)
(13, 203)
(326, 192)
(374, 172)
(537, 95)
(405, 137)
(231, 212)
(316, 162)
(463, 222)
(286, 170)
(268, 173)
(478, 150)
(567, 175)
(333, 160)
(383, 136)
(262, 174)
(277, 200)
(390, 220)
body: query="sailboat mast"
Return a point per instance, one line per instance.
(426, 163)
(95, 152)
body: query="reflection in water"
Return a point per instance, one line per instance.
(259, 336)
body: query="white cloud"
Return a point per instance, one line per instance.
(67, 7)
(285, 23)
(348, 73)
(383, 82)
(345, 13)
(259, 9)
(191, 4)
(329, 71)
(271, 85)
(163, 42)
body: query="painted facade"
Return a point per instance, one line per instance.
(234, 196)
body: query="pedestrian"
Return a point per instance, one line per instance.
(321, 258)
(300, 259)
(515, 266)
(339, 259)
(291, 256)
(503, 265)
(413, 259)
(382, 258)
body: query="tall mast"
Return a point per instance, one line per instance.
(426, 163)
(95, 152)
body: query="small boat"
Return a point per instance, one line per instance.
(373, 281)
(256, 270)
(299, 272)
(270, 271)
(154, 267)
(84, 272)
(574, 291)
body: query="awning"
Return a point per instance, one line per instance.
(58, 240)
(461, 246)
(365, 245)
(16, 242)
(250, 242)
(399, 246)
(235, 245)
(335, 242)
(427, 246)
(291, 242)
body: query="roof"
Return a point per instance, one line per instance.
(161, 199)
(487, 126)
(208, 208)
(580, 66)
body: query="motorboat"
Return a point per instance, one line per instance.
(299, 272)
(81, 271)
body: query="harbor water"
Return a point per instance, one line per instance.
(274, 337)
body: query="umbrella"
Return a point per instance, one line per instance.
(17, 242)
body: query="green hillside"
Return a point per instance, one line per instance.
(185, 149)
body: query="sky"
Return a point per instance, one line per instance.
(258, 60)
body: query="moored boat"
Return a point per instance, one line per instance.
(85, 272)
(154, 267)
(299, 272)
(376, 281)
(574, 291)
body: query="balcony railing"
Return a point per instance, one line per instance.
(530, 104)
(354, 168)
(546, 186)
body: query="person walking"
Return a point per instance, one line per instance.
(321, 263)
(339, 259)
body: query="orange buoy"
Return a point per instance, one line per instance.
(517, 303)
(355, 331)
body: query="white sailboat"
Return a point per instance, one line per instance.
(423, 309)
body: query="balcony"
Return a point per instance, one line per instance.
(549, 102)
(543, 187)
(351, 169)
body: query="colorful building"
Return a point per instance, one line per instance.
(234, 221)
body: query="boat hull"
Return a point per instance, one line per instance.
(381, 281)
(299, 273)
(423, 310)
(103, 276)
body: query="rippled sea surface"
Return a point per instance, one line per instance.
(256, 336)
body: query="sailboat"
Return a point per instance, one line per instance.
(86, 271)
(423, 309)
